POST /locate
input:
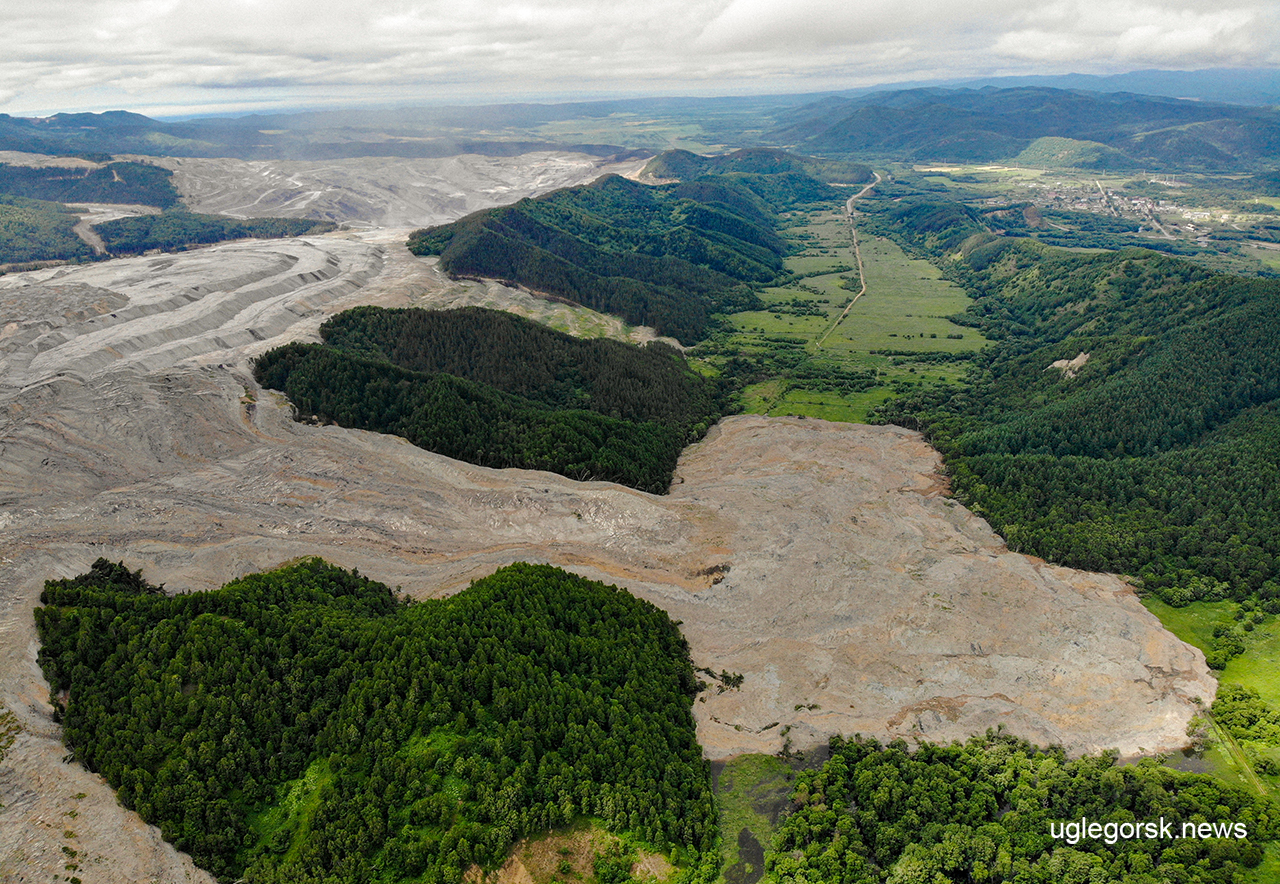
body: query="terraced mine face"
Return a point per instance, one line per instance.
(379, 191)
(821, 561)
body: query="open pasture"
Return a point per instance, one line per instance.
(889, 332)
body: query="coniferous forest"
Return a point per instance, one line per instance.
(34, 230)
(668, 256)
(1158, 456)
(176, 230)
(497, 390)
(307, 725)
(123, 182)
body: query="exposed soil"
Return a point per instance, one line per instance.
(378, 191)
(853, 597)
(750, 865)
(1070, 367)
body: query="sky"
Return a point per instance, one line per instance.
(184, 57)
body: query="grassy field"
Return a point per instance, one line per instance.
(1194, 624)
(752, 791)
(632, 130)
(904, 309)
(1258, 668)
(1270, 258)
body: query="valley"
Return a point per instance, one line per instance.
(133, 430)
(828, 569)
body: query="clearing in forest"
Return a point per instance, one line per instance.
(896, 337)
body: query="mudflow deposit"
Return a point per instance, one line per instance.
(822, 561)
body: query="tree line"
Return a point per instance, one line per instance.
(995, 809)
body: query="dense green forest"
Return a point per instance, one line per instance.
(32, 230)
(179, 229)
(132, 183)
(307, 725)
(1116, 130)
(669, 256)
(497, 390)
(782, 178)
(996, 809)
(1159, 456)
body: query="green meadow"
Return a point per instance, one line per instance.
(1258, 668)
(891, 331)
(752, 791)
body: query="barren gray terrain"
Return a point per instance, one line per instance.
(378, 191)
(822, 561)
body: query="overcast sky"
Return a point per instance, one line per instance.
(169, 57)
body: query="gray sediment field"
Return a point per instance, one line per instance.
(822, 561)
(379, 191)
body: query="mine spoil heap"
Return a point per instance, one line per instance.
(822, 562)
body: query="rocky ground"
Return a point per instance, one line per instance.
(821, 561)
(378, 191)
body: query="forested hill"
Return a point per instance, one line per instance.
(130, 183)
(178, 230)
(35, 230)
(1153, 449)
(1119, 130)
(667, 256)
(307, 725)
(497, 390)
(775, 174)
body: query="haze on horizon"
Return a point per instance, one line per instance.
(182, 57)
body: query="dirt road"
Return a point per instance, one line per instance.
(857, 254)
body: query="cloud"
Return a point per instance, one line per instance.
(1168, 33)
(88, 54)
(758, 25)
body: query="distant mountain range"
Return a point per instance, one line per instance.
(1089, 129)
(1109, 130)
(1256, 86)
(294, 136)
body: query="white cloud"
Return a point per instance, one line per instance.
(1169, 33)
(77, 54)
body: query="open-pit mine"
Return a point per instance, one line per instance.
(824, 562)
